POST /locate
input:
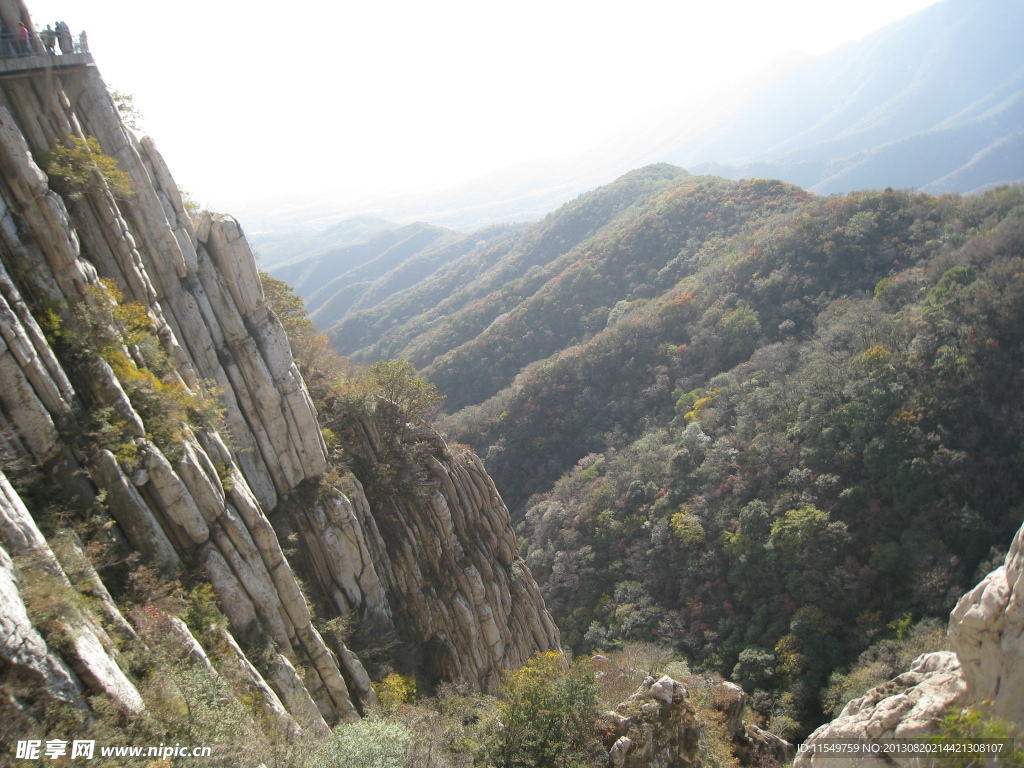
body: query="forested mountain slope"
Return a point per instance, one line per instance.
(346, 279)
(506, 266)
(815, 432)
(757, 425)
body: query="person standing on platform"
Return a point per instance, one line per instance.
(24, 45)
(64, 40)
(49, 39)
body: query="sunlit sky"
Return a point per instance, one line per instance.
(252, 100)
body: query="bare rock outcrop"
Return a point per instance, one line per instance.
(663, 726)
(750, 743)
(907, 707)
(24, 649)
(987, 631)
(444, 555)
(656, 727)
(88, 649)
(436, 566)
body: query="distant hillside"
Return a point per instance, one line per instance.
(357, 276)
(771, 430)
(504, 268)
(306, 240)
(934, 102)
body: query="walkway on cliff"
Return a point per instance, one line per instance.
(11, 62)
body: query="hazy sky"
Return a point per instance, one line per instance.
(396, 95)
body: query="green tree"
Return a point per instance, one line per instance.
(79, 165)
(792, 531)
(755, 668)
(125, 104)
(397, 382)
(976, 726)
(548, 710)
(369, 743)
(739, 331)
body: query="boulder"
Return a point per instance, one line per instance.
(909, 706)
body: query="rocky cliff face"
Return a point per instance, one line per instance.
(986, 629)
(91, 423)
(660, 726)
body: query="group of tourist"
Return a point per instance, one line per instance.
(19, 42)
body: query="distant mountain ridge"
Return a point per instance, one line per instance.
(415, 278)
(934, 102)
(339, 281)
(309, 241)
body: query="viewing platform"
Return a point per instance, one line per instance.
(34, 53)
(37, 61)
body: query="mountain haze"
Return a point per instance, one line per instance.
(313, 239)
(934, 102)
(931, 102)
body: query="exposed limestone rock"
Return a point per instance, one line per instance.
(355, 676)
(668, 691)
(750, 743)
(32, 423)
(987, 632)
(22, 647)
(295, 696)
(233, 597)
(104, 386)
(753, 742)
(90, 652)
(659, 726)
(274, 712)
(336, 543)
(731, 700)
(133, 515)
(656, 728)
(38, 212)
(237, 550)
(172, 496)
(25, 341)
(447, 559)
(200, 477)
(439, 568)
(908, 706)
(188, 644)
(93, 662)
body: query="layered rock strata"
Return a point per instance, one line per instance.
(445, 576)
(439, 565)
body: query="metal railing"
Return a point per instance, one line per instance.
(45, 43)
